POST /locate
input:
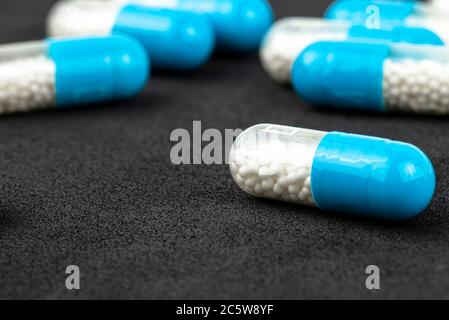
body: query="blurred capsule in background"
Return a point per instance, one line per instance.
(240, 25)
(440, 5)
(174, 40)
(61, 73)
(334, 171)
(392, 13)
(374, 77)
(290, 36)
(435, 4)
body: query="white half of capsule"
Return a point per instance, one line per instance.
(290, 36)
(83, 18)
(416, 79)
(27, 78)
(275, 162)
(440, 5)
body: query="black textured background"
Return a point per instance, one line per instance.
(95, 188)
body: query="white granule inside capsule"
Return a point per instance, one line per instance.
(285, 42)
(27, 84)
(278, 55)
(258, 175)
(420, 86)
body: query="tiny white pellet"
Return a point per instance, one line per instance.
(267, 184)
(251, 182)
(424, 88)
(248, 170)
(293, 189)
(258, 188)
(22, 87)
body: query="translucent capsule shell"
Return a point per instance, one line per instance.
(416, 80)
(275, 162)
(60, 73)
(288, 37)
(27, 78)
(334, 171)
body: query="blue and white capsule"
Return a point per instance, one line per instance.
(62, 73)
(290, 36)
(239, 25)
(384, 14)
(174, 40)
(374, 77)
(333, 171)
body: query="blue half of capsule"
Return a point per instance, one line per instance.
(361, 11)
(174, 40)
(396, 34)
(95, 69)
(240, 26)
(342, 74)
(371, 176)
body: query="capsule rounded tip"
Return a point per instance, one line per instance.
(249, 22)
(344, 10)
(306, 71)
(132, 66)
(196, 42)
(59, 16)
(410, 181)
(63, 19)
(175, 40)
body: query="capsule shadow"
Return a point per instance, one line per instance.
(182, 75)
(150, 100)
(10, 220)
(329, 110)
(225, 56)
(356, 220)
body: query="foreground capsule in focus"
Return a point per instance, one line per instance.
(374, 77)
(240, 25)
(61, 73)
(392, 13)
(174, 40)
(334, 171)
(290, 36)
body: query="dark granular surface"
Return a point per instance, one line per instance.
(96, 188)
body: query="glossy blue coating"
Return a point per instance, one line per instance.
(357, 11)
(372, 177)
(341, 74)
(174, 40)
(240, 25)
(396, 34)
(90, 70)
